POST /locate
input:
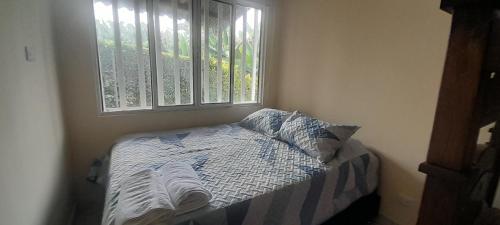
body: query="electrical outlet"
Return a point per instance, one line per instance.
(406, 200)
(29, 53)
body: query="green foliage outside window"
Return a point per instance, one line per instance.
(106, 45)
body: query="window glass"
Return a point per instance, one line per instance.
(123, 47)
(227, 43)
(173, 52)
(247, 54)
(216, 51)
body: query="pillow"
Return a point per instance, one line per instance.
(265, 121)
(317, 138)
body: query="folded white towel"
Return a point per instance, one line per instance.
(184, 187)
(144, 200)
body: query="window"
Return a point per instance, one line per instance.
(216, 51)
(160, 54)
(174, 61)
(122, 42)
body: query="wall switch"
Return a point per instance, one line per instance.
(29, 53)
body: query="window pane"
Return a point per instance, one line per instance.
(123, 48)
(216, 51)
(247, 54)
(173, 52)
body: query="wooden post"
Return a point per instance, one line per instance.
(456, 125)
(457, 120)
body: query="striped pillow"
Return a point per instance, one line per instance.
(317, 138)
(265, 121)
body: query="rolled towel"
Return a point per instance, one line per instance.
(184, 187)
(143, 200)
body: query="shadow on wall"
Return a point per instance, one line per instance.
(62, 202)
(391, 170)
(496, 202)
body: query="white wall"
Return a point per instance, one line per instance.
(32, 176)
(90, 135)
(374, 63)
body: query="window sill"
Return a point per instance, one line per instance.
(179, 108)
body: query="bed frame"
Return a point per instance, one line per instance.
(361, 212)
(462, 177)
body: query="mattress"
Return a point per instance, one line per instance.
(254, 179)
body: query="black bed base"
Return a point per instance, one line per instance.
(361, 212)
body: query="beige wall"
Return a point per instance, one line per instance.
(90, 135)
(33, 188)
(374, 63)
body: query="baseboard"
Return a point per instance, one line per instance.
(382, 220)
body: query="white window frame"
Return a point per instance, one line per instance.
(197, 104)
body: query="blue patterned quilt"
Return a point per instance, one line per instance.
(254, 179)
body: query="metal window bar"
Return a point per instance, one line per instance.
(219, 51)
(177, 78)
(196, 42)
(190, 50)
(115, 77)
(139, 54)
(159, 59)
(264, 35)
(206, 56)
(243, 57)
(232, 57)
(150, 7)
(118, 57)
(103, 107)
(255, 58)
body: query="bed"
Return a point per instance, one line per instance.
(254, 179)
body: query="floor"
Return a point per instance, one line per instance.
(88, 215)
